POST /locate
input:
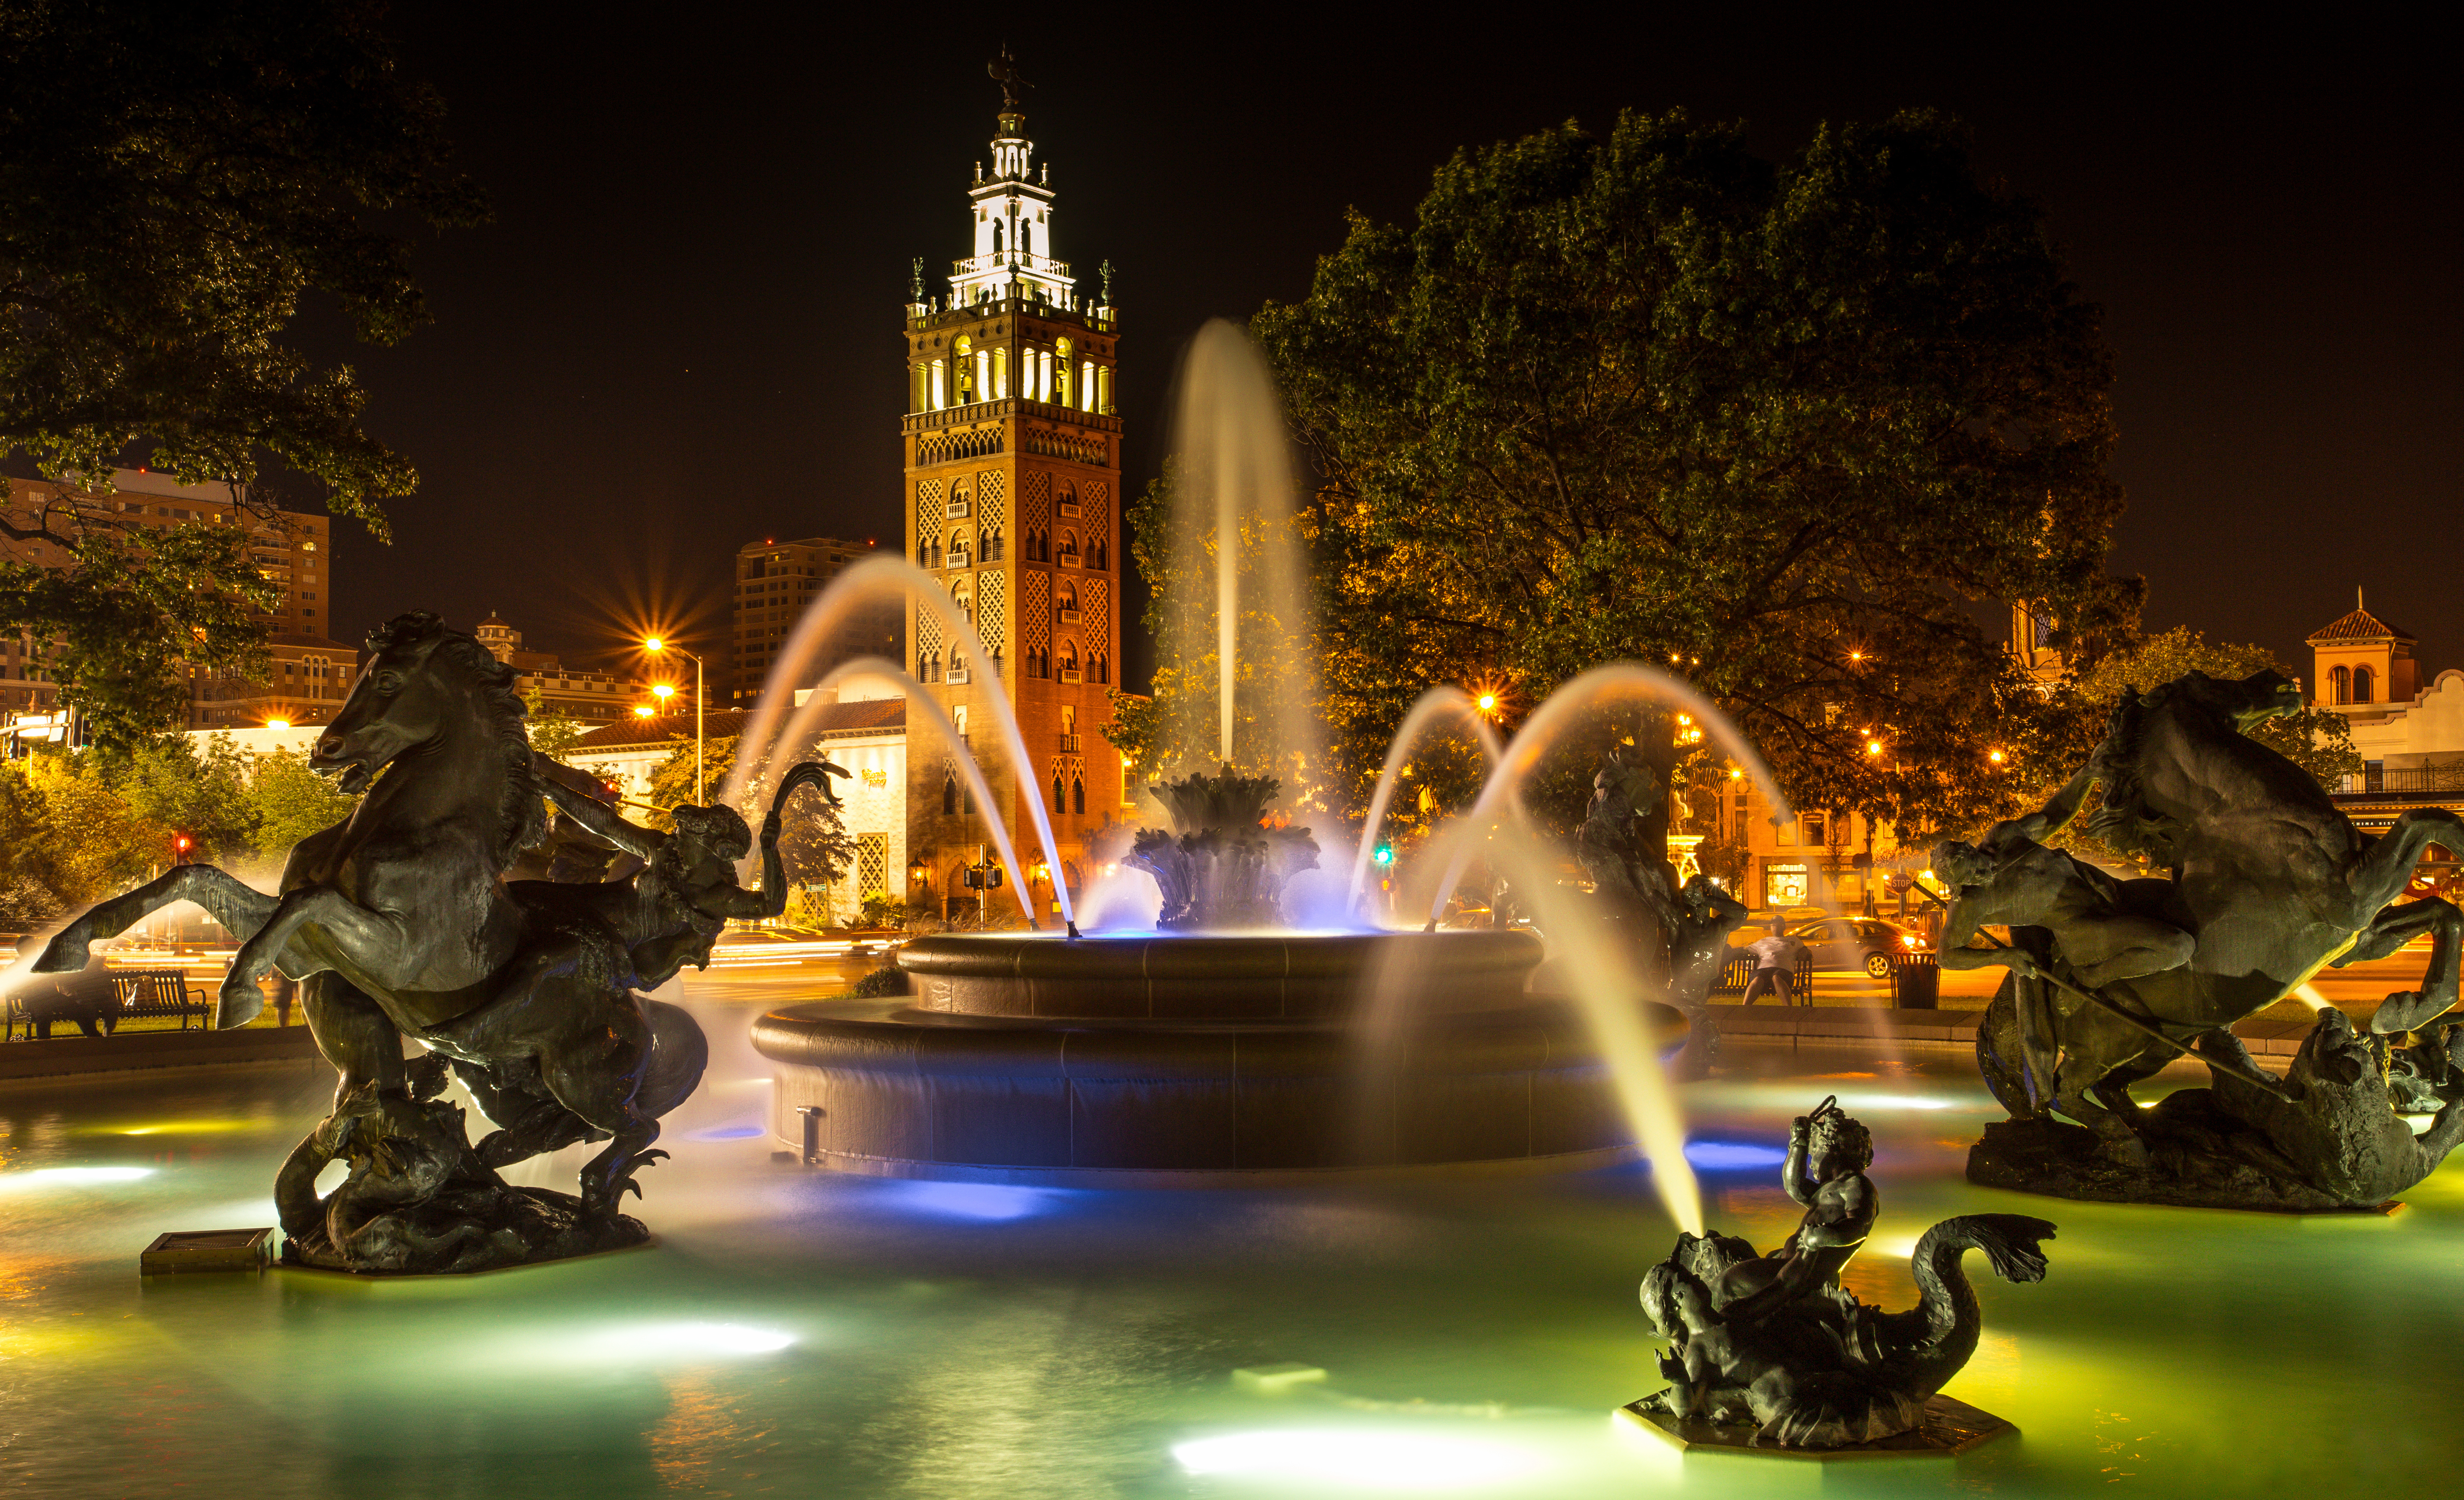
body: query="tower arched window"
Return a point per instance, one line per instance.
(2340, 685)
(949, 793)
(993, 545)
(958, 549)
(1078, 793)
(996, 237)
(1058, 805)
(1061, 372)
(1025, 238)
(1068, 661)
(1098, 556)
(963, 355)
(2363, 685)
(1099, 668)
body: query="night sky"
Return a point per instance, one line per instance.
(682, 332)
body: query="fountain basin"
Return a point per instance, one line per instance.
(1218, 977)
(1080, 1101)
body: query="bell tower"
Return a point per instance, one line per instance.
(1013, 476)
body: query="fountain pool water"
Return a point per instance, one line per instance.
(801, 1334)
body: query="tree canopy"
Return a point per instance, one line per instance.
(1794, 430)
(177, 182)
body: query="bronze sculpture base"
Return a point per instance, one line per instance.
(1950, 1427)
(2182, 1170)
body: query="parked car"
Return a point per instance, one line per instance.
(1858, 942)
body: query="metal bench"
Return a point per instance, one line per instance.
(1737, 975)
(99, 999)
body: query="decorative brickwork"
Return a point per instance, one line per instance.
(990, 623)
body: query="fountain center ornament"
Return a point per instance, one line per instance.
(1768, 1351)
(1222, 866)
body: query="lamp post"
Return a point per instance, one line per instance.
(655, 645)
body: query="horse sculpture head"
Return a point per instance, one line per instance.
(2247, 702)
(423, 684)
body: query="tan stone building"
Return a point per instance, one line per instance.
(775, 580)
(1013, 479)
(594, 697)
(309, 674)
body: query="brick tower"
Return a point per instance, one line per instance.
(1013, 458)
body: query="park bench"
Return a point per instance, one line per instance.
(1737, 973)
(99, 999)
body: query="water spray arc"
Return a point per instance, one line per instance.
(791, 743)
(1427, 708)
(1503, 792)
(883, 572)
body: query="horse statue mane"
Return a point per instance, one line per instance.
(2124, 820)
(523, 820)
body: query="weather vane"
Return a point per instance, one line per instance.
(1003, 70)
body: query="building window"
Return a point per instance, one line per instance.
(2340, 685)
(1078, 792)
(949, 794)
(2362, 685)
(871, 866)
(1059, 806)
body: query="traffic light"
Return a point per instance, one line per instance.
(180, 845)
(1385, 855)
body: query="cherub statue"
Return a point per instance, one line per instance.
(1828, 1153)
(2008, 878)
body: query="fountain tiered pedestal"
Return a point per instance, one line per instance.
(1202, 1057)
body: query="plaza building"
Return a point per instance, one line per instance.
(593, 696)
(308, 673)
(775, 580)
(1013, 485)
(2409, 734)
(860, 728)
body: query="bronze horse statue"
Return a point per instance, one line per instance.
(399, 922)
(2269, 876)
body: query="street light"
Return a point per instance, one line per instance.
(655, 645)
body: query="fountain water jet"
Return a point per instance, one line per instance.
(1440, 700)
(1232, 476)
(879, 573)
(790, 743)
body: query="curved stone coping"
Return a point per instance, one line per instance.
(1263, 976)
(911, 1092)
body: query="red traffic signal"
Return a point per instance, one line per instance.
(180, 843)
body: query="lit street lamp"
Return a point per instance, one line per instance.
(655, 645)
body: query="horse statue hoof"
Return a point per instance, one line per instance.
(238, 1005)
(2406, 1010)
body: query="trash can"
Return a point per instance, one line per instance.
(1916, 981)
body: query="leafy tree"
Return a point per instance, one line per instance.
(2319, 740)
(291, 801)
(1780, 429)
(552, 732)
(92, 842)
(167, 782)
(174, 179)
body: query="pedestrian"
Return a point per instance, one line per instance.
(1775, 962)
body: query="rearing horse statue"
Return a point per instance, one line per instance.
(2269, 877)
(399, 924)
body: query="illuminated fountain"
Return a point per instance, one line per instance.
(1235, 1039)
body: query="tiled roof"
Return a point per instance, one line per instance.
(2360, 626)
(868, 713)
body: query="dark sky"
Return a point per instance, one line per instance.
(682, 331)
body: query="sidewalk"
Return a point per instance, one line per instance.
(2273, 1033)
(132, 1050)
